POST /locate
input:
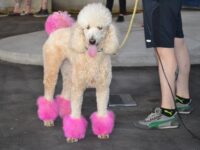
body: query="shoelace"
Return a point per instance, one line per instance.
(154, 115)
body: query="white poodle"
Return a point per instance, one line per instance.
(82, 52)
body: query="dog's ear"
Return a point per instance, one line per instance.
(111, 42)
(77, 41)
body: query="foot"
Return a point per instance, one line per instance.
(42, 13)
(156, 120)
(3, 14)
(71, 140)
(120, 18)
(49, 123)
(103, 137)
(183, 105)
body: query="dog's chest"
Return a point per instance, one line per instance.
(92, 70)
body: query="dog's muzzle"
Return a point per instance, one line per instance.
(92, 41)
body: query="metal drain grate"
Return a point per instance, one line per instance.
(121, 100)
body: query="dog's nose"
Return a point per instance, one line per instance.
(92, 41)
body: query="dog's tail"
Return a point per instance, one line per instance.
(58, 20)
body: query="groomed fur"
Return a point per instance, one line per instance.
(58, 20)
(83, 65)
(64, 107)
(102, 125)
(47, 110)
(74, 128)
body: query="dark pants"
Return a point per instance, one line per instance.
(162, 22)
(122, 6)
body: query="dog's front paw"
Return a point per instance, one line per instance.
(74, 128)
(48, 123)
(47, 111)
(103, 137)
(102, 126)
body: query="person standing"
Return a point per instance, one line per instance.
(122, 7)
(163, 32)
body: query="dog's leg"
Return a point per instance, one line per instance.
(75, 124)
(47, 107)
(63, 100)
(66, 71)
(102, 120)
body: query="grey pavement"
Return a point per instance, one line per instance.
(27, 48)
(20, 129)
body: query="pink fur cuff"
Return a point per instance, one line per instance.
(102, 125)
(64, 107)
(47, 110)
(74, 128)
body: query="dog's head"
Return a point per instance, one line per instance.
(94, 27)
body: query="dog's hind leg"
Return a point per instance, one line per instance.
(63, 100)
(102, 120)
(47, 107)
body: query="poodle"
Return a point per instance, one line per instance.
(82, 52)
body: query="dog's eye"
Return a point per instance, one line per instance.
(88, 27)
(100, 28)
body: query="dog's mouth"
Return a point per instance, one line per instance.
(92, 50)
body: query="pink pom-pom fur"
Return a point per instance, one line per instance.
(74, 128)
(58, 20)
(47, 110)
(102, 125)
(64, 107)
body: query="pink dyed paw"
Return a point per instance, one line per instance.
(47, 110)
(64, 107)
(74, 128)
(102, 125)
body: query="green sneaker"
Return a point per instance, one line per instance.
(183, 108)
(156, 120)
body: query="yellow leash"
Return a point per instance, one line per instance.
(130, 24)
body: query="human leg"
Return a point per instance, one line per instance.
(43, 12)
(28, 7)
(122, 7)
(17, 6)
(109, 4)
(167, 66)
(183, 100)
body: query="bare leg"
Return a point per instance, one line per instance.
(17, 6)
(44, 4)
(183, 60)
(167, 56)
(28, 6)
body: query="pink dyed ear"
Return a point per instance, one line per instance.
(58, 20)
